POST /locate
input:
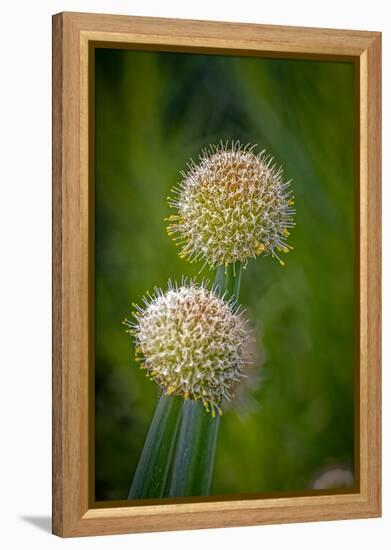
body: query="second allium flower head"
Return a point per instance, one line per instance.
(192, 343)
(231, 206)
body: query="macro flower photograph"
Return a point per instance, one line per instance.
(225, 259)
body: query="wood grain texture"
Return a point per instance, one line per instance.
(236, 36)
(73, 220)
(57, 462)
(373, 263)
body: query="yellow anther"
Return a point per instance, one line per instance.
(259, 248)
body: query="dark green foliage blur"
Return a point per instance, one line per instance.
(294, 417)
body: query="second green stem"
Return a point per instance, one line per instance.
(191, 473)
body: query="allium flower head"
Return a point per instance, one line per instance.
(192, 342)
(233, 205)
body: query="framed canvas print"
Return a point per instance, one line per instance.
(216, 274)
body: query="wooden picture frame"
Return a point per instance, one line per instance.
(74, 37)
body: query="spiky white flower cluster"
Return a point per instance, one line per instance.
(192, 342)
(232, 205)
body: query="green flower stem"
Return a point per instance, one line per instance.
(152, 470)
(195, 452)
(237, 280)
(228, 279)
(196, 447)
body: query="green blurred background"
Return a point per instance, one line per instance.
(154, 111)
